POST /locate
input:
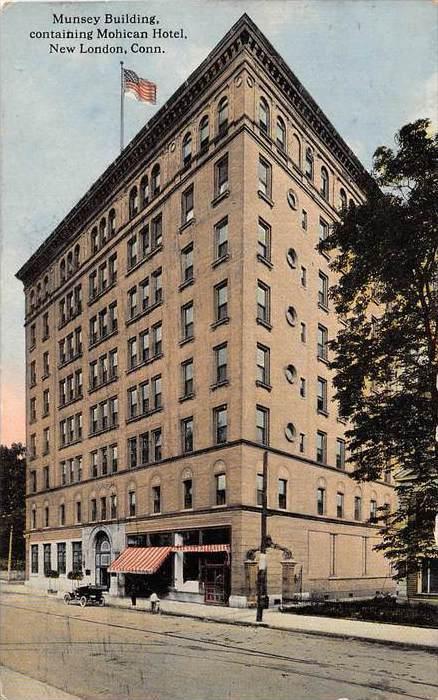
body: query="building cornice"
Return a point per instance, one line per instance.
(244, 36)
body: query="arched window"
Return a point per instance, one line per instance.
(76, 257)
(309, 163)
(204, 132)
(38, 294)
(155, 180)
(144, 191)
(324, 183)
(342, 199)
(133, 202)
(70, 264)
(62, 271)
(297, 150)
(222, 116)
(32, 301)
(187, 489)
(264, 118)
(112, 222)
(46, 286)
(94, 240)
(187, 149)
(281, 134)
(351, 203)
(102, 231)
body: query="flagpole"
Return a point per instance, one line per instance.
(122, 95)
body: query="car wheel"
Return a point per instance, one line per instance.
(102, 602)
(83, 601)
(67, 598)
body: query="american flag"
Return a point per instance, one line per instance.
(143, 90)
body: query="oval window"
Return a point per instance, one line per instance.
(290, 373)
(291, 316)
(290, 432)
(292, 258)
(292, 199)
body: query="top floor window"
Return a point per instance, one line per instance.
(222, 115)
(102, 232)
(187, 149)
(155, 180)
(281, 134)
(144, 191)
(264, 116)
(309, 163)
(204, 132)
(342, 199)
(133, 202)
(112, 222)
(324, 183)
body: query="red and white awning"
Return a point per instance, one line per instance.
(201, 548)
(140, 560)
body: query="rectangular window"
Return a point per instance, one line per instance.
(132, 452)
(103, 508)
(187, 321)
(143, 398)
(46, 366)
(303, 277)
(357, 508)
(132, 505)
(187, 263)
(302, 443)
(188, 493)
(62, 514)
(323, 290)
(263, 356)
(104, 460)
(113, 363)
(157, 286)
(46, 477)
(373, 510)
(32, 373)
(132, 352)
(340, 453)
(263, 302)
(265, 177)
(320, 501)
(303, 332)
(304, 220)
(321, 395)
(144, 448)
(46, 329)
(259, 489)
(113, 506)
(187, 205)
(32, 481)
(221, 489)
(220, 363)
(157, 444)
(221, 239)
(221, 176)
(321, 447)
(156, 499)
(144, 346)
(132, 302)
(157, 232)
(145, 291)
(93, 509)
(187, 434)
(113, 458)
(323, 230)
(156, 394)
(264, 240)
(132, 252)
(34, 558)
(77, 556)
(220, 424)
(339, 505)
(221, 301)
(282, 493)
(132, 402)
(302, 387)
(78, 512)
(262, 425)
(322, 342)
(187, 378)
(47, 558)
(32, 410)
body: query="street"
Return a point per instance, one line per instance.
(113, 654)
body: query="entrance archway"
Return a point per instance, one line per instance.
(103, 560)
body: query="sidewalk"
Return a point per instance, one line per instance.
(421, 637)
(16, 686)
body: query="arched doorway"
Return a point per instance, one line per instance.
(103, 560)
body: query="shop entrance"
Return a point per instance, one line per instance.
(215, 584)
(103, 560)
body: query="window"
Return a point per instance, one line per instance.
(302, 387)
(93, 510)
(156, 445)
(221, 239)
(32, 373)
(144, 448)
(323, 290)
(304, 220)
(132, 302)
(32, 449)
(321, 447)
(281, 134)
(46, 516)
(321, 395)
(155, 180)
(303, 276)
(102, 226)
(187, 321)
(187, 378)
(204, 133)
(309, 164)
(103, 513)
(264, 240)
(33, 522)
(113, 506)
(221, 489)
(77, 556)
(320, 501)
(187, 434)
(265, 177)
(34, 558)
(302, 443)
(32, 410)
(263, 303)
(322, 340)
(291, 316)
(339, 505)
(259, 489)
(133, 202)
(62, 514)
(144, 191)
(221, 176)
(46, 402)
(290, 432)
(282, 493)
(156, 499)
(78, 512)
(222, 116)
(132, 247)
(132, 452)
(340, 454)
(264, 118)
(325, 183)
(157, 286)
(156, 392)
(220, 363)
(188, 493)
(220, 424)
(187, 149)
(33, 481)
(262, 425)
(323, 230)
(373, 510)
(187, 205)
(132, 352)
(342, 199)
(357, 508)
(46, 477)
(46, 329)
(221, 301)
(263, 368)
(187, 263)
(132, 402)
(132, 504)
(47, 551)
(144, 295)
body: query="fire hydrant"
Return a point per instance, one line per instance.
(155, 603)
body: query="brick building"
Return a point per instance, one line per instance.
(176, 328)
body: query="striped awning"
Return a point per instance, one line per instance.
(140, 560)
(202, 548)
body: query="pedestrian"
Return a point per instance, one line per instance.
(134, 595)
(155, 603)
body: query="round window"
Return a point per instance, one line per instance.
(290, 432)
(291, 316)
(292, 199)
(292, 258)
(290, 373)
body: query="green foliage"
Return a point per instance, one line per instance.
(12, 499)
(75, 575)
(51, 573)
(386, 355)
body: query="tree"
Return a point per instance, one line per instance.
(386, 364)
(12, 499)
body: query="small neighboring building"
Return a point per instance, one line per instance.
(177, 323)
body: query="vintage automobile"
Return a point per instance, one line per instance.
(85, 595)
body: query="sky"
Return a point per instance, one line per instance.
(369, 64)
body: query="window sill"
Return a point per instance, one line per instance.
(69, 402)
(262, 385)
(45, 453)
(144, 259)
(220, 197)
(219, 322)
(220, 260)
(133, 419)
(63, 364)
(45, 414)
(186, 283)
(92, 300)
(281, 152)
(186, 397)
(265, 261)
(45, 376)
(323, 252)
(32, 347)
(321, 412)
(64, 323)
(102, 340)
(91, 390)
(265, 324)
(323, 360)
(69, 444)
(44, 338)
(187, 224)
(144, 312)
(32, 385)
(144, 363)
(103, 430)
(186, 340)
(323, 307)
(218, 385)
(265, 198)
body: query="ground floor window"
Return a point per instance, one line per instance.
(429, 576)
(47, 558)
(61, 557)
(77, 556)
(34, 558)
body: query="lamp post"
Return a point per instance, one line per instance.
(261, 573)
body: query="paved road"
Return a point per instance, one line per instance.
(113, 654)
